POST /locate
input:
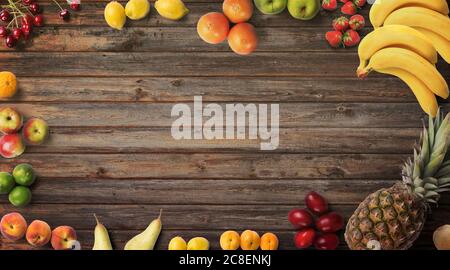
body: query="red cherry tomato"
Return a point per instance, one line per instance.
(300, 218)
(328, 241)
(305, 238)
(316, 203)
(329, 223)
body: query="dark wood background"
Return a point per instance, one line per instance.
(107, 96)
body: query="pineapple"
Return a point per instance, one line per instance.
(394, 217)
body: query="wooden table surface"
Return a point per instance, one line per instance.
(107, 96)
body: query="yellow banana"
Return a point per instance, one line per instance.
(441, 44)
(395, 36)
(382, 8)
(426, 98)
(421, 17)
(409, 61)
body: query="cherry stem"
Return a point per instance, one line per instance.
(56, 2)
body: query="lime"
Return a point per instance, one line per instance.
(6, 182)
(24, 174)
(20, 196)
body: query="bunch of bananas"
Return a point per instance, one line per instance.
(407, 36)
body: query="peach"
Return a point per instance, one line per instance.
(38, 233)
(63, 237)
(230, 240)
(441, 237)
(250, 240)
(11, 145)
(13, 226)
(269, 241)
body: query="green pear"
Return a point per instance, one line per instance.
(146, 240)
(102, 241)
(303, 9)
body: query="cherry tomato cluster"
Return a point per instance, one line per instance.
(316, 225)
(21, 16)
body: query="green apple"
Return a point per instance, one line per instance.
(6, 182)
(24, 174)
(271, 6)
(303, 9)
(20, 196)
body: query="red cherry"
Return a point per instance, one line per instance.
(328, 241)
(26, 30)
(64, 14)
(5, 16)
(300, 218)
(329, 223)
(27, 2)
(75, 5)
(27, 19)
(305, 238)
(34, 8)
(316, 203)
(10, 41)
(3, 31)
(17, 33)
(38, 20)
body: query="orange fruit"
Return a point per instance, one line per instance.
(8, 84)
(269, 241)
(243, 39)
(238, 11)
(250, 240)
(213, 27)
(230, 240)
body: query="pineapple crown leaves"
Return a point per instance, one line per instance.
(428, 174)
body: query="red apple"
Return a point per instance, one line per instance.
(11, 145)
(35, 131)
(10, 120)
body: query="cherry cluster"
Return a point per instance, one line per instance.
(21, 16)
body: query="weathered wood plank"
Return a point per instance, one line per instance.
(214, 192)
(119, 239)
(91, 14)
(258, 165)
(327, 115)
(182, 217)
(137, 39)
(212, 89)
(293, 140)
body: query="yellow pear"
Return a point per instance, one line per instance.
(102, 241)
(137, 9)
(115, 15)
(146, 240)
(171, 9)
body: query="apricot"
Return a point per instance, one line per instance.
(250, 240)
(13, 226)
(63, 237)
(269, 241)
(230, 240)
(38, 233)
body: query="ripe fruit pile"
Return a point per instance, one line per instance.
(21, 16)
(327, 224)
(404, 43)
(12, 143)
(24, 176)
(13, 227)
(214, 27)
(345, 32)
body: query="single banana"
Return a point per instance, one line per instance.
(409, 61)
(441, 44)
(382, 8)
(426, 98)
(395, 36)
(421, 17)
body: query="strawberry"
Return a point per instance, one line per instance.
(359, 3)
(334, 38)
(351, 38)
(349, 8)
(340, 24)
(329, 5)
(357, 22)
